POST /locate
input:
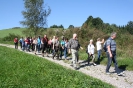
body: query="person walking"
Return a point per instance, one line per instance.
(39, 44)
(44, 45)
(56, 48)
(62, 46)
(50, 46)
(73, 47)
(53, 45)
(23, 44)
(99, 49)
(20, 42)
(91, 50)
(111, 54)
(35, 45)
(16, 42)
(66, 48)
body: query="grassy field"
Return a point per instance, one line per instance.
(5, 32)
(21, 70)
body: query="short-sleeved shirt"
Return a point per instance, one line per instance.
(99, 45)
(111, 42)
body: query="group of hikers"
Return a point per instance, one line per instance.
(59, 48)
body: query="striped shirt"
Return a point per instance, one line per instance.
(112, 44)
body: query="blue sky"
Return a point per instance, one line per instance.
(70, 12)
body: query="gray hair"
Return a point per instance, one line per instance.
(74, 34)
(113, 33)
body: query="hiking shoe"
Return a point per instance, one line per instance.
(107, 73)
(75, 68)
(94, 64)
(120, 74)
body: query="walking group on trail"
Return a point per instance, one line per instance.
(61, 48)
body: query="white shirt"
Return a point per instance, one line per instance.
(91, 48)
(99, 45)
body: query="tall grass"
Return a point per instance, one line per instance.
(21, 70)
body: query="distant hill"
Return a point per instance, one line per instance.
(5, 32)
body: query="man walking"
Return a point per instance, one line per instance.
(111, 54)
(74, 47)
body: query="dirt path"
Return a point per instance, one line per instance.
(96, 72)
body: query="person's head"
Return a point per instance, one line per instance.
(74, 36)
(45, 36)
(62, 37)
(66, 39)
(98, 39)
(54, 37)
(113, 35)
(91, 41)
(39, 37)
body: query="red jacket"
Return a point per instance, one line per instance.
(15, 40)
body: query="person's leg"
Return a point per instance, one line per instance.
(74, 58)
(93, 58)
(61, 52)
(88, 59)
(99, 54)
(108, 63)
(43, 48)
(38, 48)
(65, 51)
(16, 45)
(115, 64)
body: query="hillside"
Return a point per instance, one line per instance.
(5, 32)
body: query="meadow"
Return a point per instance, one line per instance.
(5, 32)
(21, 70)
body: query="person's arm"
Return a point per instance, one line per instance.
(69, 46)
(109, 48)
(102, 41)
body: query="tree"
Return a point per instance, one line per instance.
(35, 15)
(129, 27)
(70, 27)
(61, 26)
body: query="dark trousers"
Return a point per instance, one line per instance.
(16, 45)
(110, 61)
(49, 49)
(44, 48)
(21, 45)
(89, 57)
(61, 51)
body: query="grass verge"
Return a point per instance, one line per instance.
(21, 70)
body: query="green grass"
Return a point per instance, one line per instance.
(5, 32)
(21, 70)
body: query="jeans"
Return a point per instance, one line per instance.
(65, 52)
(99, 54)
(38, 47)
(74, 57)
(110, 61)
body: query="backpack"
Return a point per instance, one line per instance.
(105, 45)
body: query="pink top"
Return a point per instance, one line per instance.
(49, 42)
